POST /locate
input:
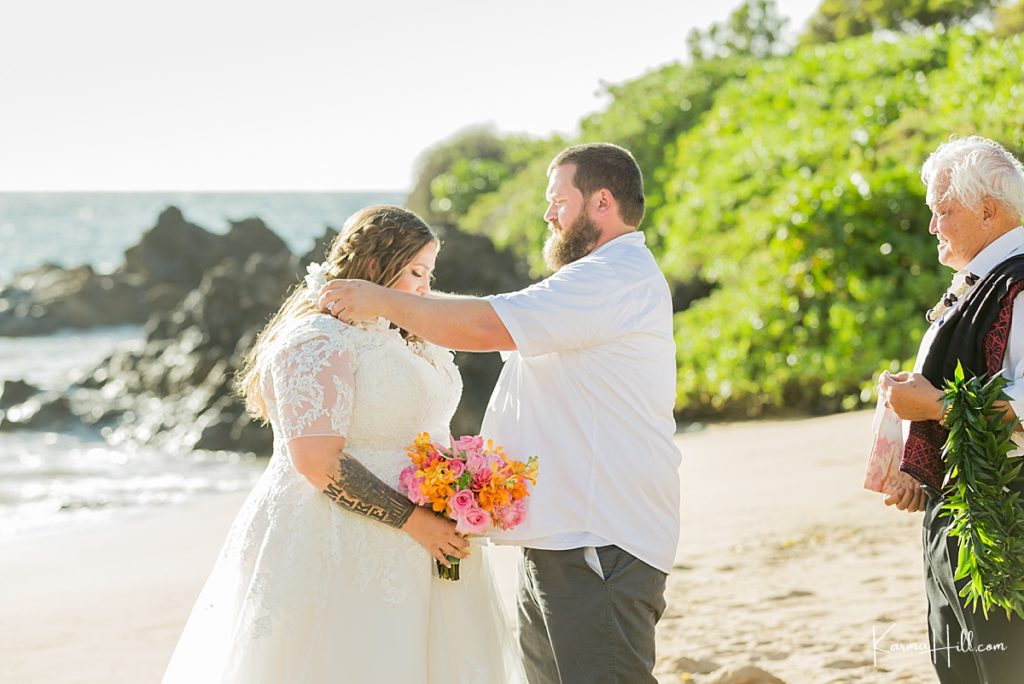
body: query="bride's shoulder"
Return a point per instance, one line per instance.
(308, 328)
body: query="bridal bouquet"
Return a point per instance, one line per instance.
(472, 482)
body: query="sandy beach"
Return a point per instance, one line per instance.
(785, 563)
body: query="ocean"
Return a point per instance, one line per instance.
(50, 481)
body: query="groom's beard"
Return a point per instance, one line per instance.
(569, 244)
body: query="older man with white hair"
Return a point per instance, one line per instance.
(976, 194)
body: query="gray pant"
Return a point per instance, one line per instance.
(578, 627)
(952, 627)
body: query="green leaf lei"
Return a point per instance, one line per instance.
(986, 510)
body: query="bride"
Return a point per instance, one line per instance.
(326, 575)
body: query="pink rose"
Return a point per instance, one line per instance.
(461, 503)
(511, 516)
(470, 444)
(456, 467)
(475, 521)
(405, 479)
(474, 462)
(409, 485)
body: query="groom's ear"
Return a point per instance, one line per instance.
(603, 203)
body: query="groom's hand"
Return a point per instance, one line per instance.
(352, 300)
(911, 396)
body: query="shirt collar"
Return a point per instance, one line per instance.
(996, 253)
(626, 238)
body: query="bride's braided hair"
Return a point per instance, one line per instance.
(375, 244)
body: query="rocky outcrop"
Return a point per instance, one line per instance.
(49, 298)
(157, 273)
(13, 392)
(178, 390)
(48, 411)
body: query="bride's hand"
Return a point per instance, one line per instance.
(436, 534)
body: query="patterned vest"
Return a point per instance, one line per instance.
(975, 334)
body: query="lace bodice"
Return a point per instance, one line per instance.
(365, 382)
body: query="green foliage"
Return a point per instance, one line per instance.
(1009, 19)
(754, 29)
(841, 19)
(984, 495)
(452, 174)
(798, 197)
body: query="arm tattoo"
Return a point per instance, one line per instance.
(355, 488)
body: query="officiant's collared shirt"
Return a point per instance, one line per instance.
(590, 391)
(1002, 248)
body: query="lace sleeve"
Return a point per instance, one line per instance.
(313, 388)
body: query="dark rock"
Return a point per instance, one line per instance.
(178, 253)
(43, 412)
(319, 251)
(169, 261)
(248, 435)
(185, 371)
(470, 264)
(50, 298)
(14, 392)
(216, 436)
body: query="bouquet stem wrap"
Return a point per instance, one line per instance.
(451, 573)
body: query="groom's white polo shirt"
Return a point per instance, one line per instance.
(590, 392)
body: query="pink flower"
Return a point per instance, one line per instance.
(475, 521)
(456, 467)
(511, 515)
(474, 462)
(469, 444)
(481, 478)
(494, 461)
(461, 503)
(405, 479)
(409, 485)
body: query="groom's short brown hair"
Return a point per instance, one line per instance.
(603, 165)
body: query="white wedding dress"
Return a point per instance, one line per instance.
(305, 591)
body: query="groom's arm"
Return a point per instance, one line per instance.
(453, 322)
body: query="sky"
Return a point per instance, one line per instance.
(304, 94)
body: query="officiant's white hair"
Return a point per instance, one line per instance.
(975, 168)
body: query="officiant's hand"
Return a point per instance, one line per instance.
(911, 396)
(911, 498)
(352, 300)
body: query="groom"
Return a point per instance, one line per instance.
(589, 388)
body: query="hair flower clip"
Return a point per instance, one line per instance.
(316, 278)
